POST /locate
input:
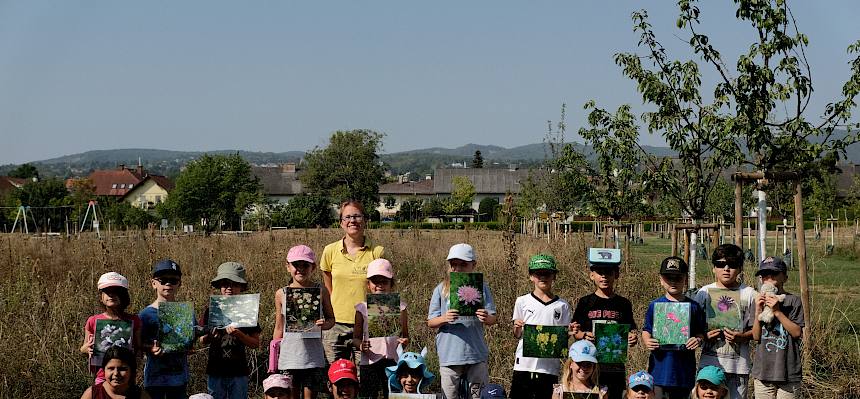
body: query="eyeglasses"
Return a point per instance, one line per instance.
(168, 280)
(719, 264)
(354, 218)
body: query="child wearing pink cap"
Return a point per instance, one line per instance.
(381, 352)
(114, 299)
(277, 386)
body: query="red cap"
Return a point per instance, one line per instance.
(341, 369)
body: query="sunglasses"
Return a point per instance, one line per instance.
(168, 280)
(720, 264)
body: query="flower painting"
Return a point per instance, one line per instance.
(671, 324)
(235, 310)
(383, 315)
(302, 308)
(611, 342)
(544, 341)
(467, 292)
(176, 326)
(724, 310)
(110, 333)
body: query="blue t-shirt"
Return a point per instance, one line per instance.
(461, 342)
(675, 368)
(167, 370)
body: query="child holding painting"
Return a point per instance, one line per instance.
(227, 366)
(114, 299)
(534, 377)
(605, 305)
(460, 341)
(640, 385)
(377, 353)
(303, 359)
(672, 318)
(580, 372)
(410, 374)
(728, 346)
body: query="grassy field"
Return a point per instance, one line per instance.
(47, 290)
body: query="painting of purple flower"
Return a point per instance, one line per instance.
(469, 295)
(723, 309)
(466, 294)
(725, 303)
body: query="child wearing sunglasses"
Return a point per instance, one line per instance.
(726, 348)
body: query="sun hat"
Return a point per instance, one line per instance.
(542, 262)
(674, 265)
(712, 374)
(301, 252)
(112, 279)
(164, 266)
(277, 381)
(583, 351)
(341, 369)
(411, 360)
(462, 252)
(493, 391)
(201, 396)
(772, 264)
(604, 257)
(640, 379)
(233, 271)
(380, 267)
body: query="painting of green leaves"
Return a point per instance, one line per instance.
(110, 333)
(724, 310)
(383, 315)
(235, 310)
(176, 321)
(302, 308)
(544, 341)
(467, 292)
(611, 342)
(671, 324)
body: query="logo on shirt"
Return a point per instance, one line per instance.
(557, 314)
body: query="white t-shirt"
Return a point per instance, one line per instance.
(732, 358)
(532, 310)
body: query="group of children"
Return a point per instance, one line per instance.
(300, 369)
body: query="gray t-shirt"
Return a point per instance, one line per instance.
(777, 355)
(732, 358)
(461, 342)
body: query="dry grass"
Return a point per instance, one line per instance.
(48, 291)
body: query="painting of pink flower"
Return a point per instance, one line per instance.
(671, 316)
(725, 303)
(469, 295)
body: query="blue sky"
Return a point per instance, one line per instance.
(281, 76)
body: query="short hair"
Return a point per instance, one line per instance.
(350, 202)
(124, 355)
(730, 252)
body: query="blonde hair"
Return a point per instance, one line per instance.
(724, 391)
(567, 375)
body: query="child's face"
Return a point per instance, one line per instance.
(229, 287)
(542, 279)
(726, 272)
(604, 278)
(278, 393)
(706, 390)
(582, 371)
(379, 284)
(462, 266)
(166, 285)
(344, 389)
(640, 392)
(117, 374)
(777, 279)
(409, 379)
(110, 297)
(674, 284)
(301, 271)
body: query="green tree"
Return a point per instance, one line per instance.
(348, 168)
(434, 207)
(303, 211)
(462, 192)
(478, 160)
(410, 210)
(122, 214)
(47, 192)
(214, 188)
(25, 171)
(488, 208)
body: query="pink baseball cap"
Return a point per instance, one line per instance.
(277, 381)
(301, 252)
(380, 267)
(112, 279)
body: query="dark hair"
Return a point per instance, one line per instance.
(730, 252)
(124, 298)
(351, 202)
(124, 355)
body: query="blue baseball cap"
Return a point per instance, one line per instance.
(493, 391)
(166, 265)
(604, 258)
(583, 351)
(640, 379)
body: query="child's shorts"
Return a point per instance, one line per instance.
(307, 378)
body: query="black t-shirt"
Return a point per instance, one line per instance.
(592, 307)
(227, 353)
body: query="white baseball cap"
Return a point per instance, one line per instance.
(112, 279)
(462, 252)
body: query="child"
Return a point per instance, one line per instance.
(726, 348)
(410, 374)
(120, 371)
(640, 385)
(605, 305)
(277, 386)
(777, 365)
(165, 375)
(303, 359)
(710, 384)
(673, 369)
(534, 377)
(580, 372)
(114, 298)
(381, 352)
(343, 380)
(227, 367)
(460, 341)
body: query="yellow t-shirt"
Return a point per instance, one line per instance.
(348, 276)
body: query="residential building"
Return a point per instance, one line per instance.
(149, 192)
(280, 183)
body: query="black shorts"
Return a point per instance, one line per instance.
(308, 378)
(529, 385)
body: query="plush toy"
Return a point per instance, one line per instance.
(768, 289)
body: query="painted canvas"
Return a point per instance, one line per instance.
(383, 315)
(544, 341)
(176, 320)
(467, 292)
(303, 309)
(110, 333)
(671, 323)
(611, 342)
(580, 395)
(235, 310)
(724, 310)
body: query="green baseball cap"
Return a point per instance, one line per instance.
(712, 374)
(542, 262)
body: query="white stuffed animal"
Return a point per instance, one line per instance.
(768, 289)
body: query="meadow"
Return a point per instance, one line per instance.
(47, 290)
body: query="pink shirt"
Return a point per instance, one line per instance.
(381, 347)
(90, 327)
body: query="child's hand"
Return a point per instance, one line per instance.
(588, 335)
(713, 334)
(365, 346)
(519, 323)
(772, 302)
(319, 322)
(481, 314)
(232, 330)
(652, 344)
(632, 338)
(451, 315)
(156, 349)
(574, 329)
(759, 303)
(729, 335)
(88, 347)
(693, 343)
(403, 341)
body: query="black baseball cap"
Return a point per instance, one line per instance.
(674, 265)
(772, 265)
(164, 266)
